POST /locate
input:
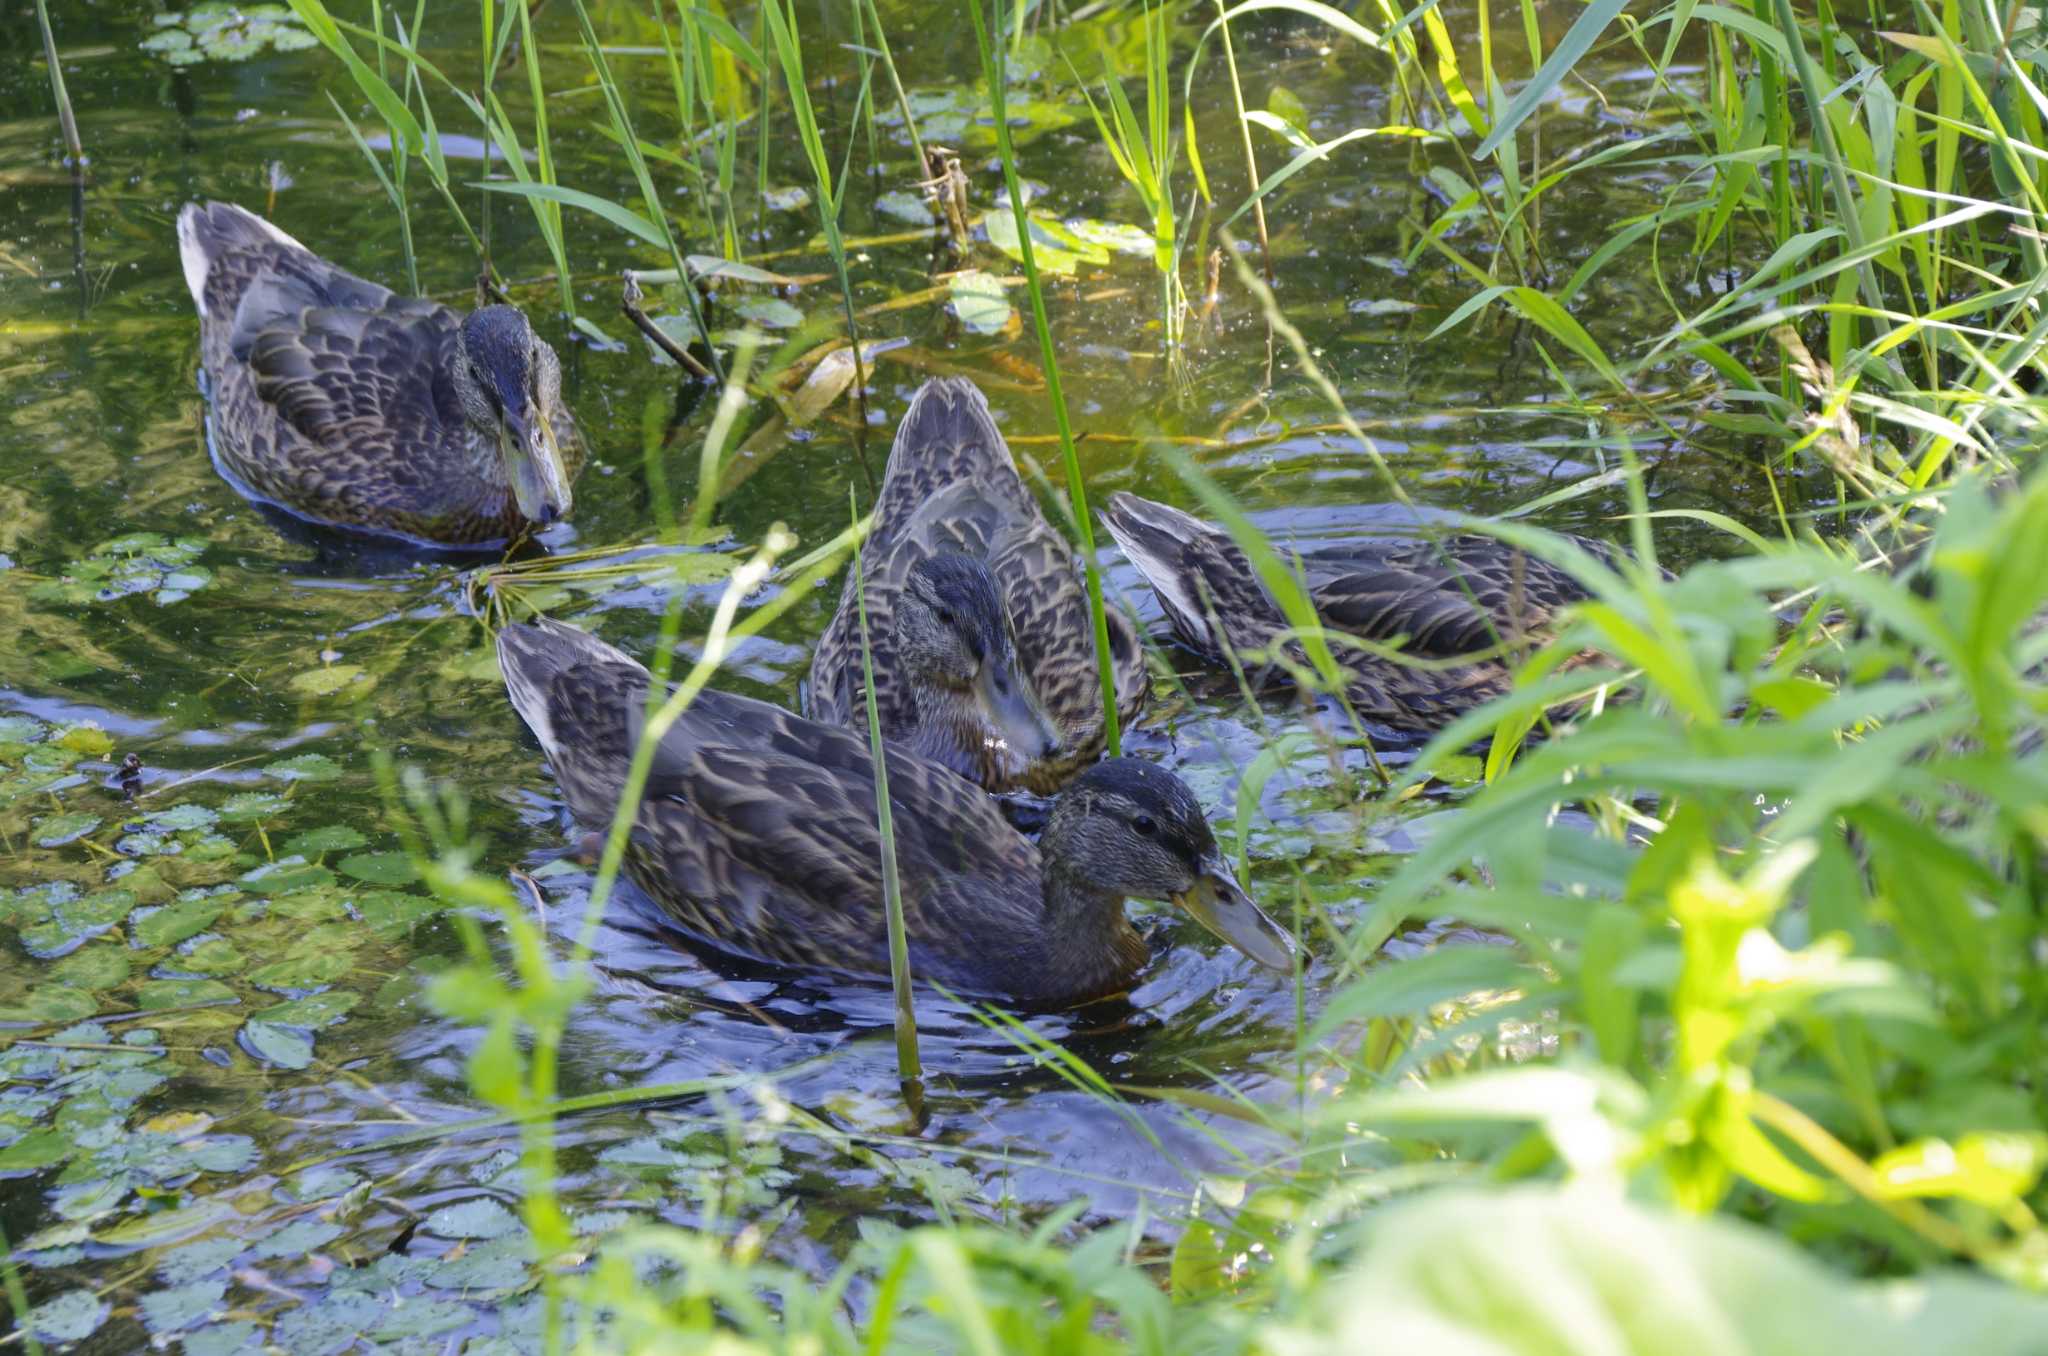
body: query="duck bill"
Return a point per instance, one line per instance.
(1016, 718)
(533, 460)
(1221, 905)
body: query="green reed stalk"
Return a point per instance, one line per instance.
(909, 1066)
(789, 52)
(549, 214)
(1077, 490)
(895, 84)
(1244, 128)
(396, 184)
(17, 1295)
(65, 120)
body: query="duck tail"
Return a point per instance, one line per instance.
(946, 416)
(206, 231)
(531, 655)
(1164, 543)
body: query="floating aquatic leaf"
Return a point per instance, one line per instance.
(298, 1238)
(381, 868)
(89, 740)
(905, 206)
(222, 1339)
(770, 312)
(51, 1003)
(225, 32)
(92, 968)
(328, 680)
(500, 1264)
(205, 955)
(681, 329)
(332, 838)
(173, 923)
(732, 270)
(286, 876)
(318, 1184)
(1054, 248)
(979, 302)
(140, 562)
(164, 1226)
(176, 1309)
(284, 1046)
(31, 1153)
(72, 923)
(789, 199)
(312, 1012)
(57, 830)
(479, 1217)
(182, 993)
(188, 1263)
(1112, 235)
(307, 971)
(248, 805)
(184, 817)
(305, 767)
(389, 913)
(71, 1317)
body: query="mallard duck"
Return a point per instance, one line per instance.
(757, 833)
(1440, 598)
(343, 402)
(984, 654)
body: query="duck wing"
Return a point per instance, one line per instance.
(1452, 597)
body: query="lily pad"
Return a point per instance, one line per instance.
(381, 868)
(71, 1317)
(905, 206)
(328, 680)
(308, 971)
(312, 1012)
(332, 838)
(305, 767)
(790, 199)
(979, 302)
(183, 993)
(388, 913)
(173, 923)
(285, 877)
(250, 805)
(1113, 235)
(298, 1238)
(141, 562)
(184, 1265)
(225, 32)
(284, 1046)
(92, 968)
(769, 312)
(1054, 248)
(57, 830)
(176, 1309)
(480, 1217)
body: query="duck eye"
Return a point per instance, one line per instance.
(1144, 825)
(945, 616)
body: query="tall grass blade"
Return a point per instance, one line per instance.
(1077, 490)
(65, 120)
(909, 1066)
(1578, 40)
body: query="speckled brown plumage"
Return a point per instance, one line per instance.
(757, 832)
(951, 487)
(335, 398)
(1448, 598)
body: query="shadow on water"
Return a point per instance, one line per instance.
(244, 940)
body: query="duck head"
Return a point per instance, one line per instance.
(1135, 830)
(510, 385)
(977, 712)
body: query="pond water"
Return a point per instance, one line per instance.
(221, 981)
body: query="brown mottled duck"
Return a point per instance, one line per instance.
(757, 833)
(1443, 599)
(342, 402)
(984, 653)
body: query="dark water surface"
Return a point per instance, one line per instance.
(222, 652)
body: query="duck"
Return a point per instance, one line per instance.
(982, 643)
(756, 833)
(347, 405)
(1440, 599)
